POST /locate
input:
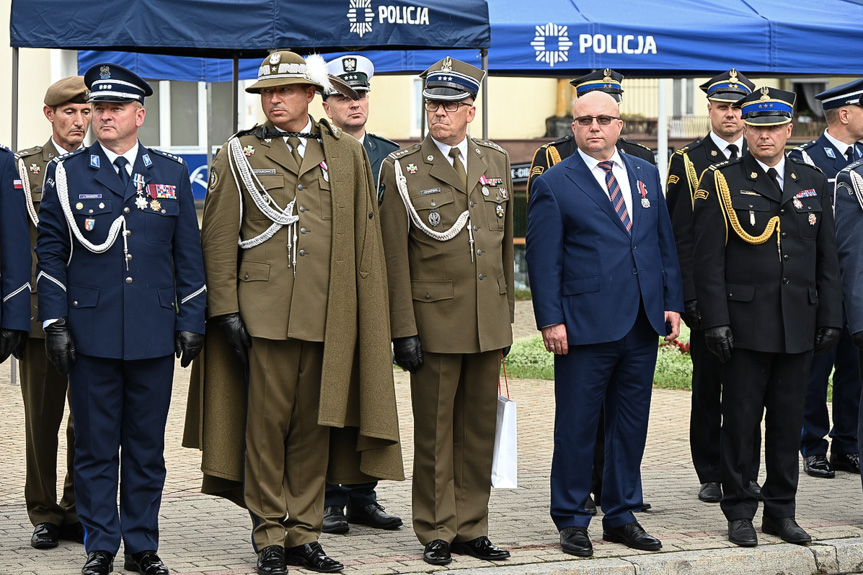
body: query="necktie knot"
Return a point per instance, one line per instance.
(606, 166)
(121, 164)
(774, 175)
(294, 142)
(732, 151)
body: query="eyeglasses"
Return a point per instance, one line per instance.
(433, 105)
(586, 121)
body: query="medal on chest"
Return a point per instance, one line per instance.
(140, 200)
(642, 189)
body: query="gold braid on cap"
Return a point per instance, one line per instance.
(725, 195)
(691, 177)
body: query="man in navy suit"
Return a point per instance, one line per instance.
(836, 148)
(605, 281)
(121, 289)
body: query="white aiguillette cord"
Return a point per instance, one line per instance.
(464, 218)
(25, 182)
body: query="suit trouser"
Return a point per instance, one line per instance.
(705, 419)
(755, 381)
(620, 374)
(454, 398)
(43, 390)
(846, 401)
(120, 408)
(354, 496)
(286, 450)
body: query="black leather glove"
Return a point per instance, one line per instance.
(826, 338)
(719, 341)
(691, 315)
(59, 346)
(857, 338)
(238, 337)
(12, 342)
(408, 353)
(189, 345)
(505, 351)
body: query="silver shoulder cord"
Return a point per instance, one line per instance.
(241, 170)
(413, 216)
(807, 158)
(28, 195)
(113, 232)
(857, 182)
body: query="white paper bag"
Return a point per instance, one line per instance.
(504, 467)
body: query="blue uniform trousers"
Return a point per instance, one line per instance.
(120, 408)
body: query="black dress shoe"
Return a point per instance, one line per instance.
(785, 528)
(271, 561)
(311, 556)
(710, 492)
(632, 535)
(576, 541)
(846, 462)
(755, 490)
(741, 532)
(818, 466)
(146, 562)
(334, 520)
(481, 548)
(374, 515)
(98, 563)
(590, 505)
(437, 552)
(45, 536)
(73, 532)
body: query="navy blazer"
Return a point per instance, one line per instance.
(15, 262)
(585, 270)
(115, 311)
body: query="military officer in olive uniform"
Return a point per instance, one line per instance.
(447, 222)
(121, 290)
(549, 154)
(44, 388)
(295, 274)
(767, 282)
(836, 148)
(725, 140)
(351, 115)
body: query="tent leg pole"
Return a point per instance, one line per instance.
(13, 379)
(662, 132)
(484, 54)
(235, 96)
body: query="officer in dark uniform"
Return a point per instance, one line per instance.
(836, 148)
(767, 282)
(549, 154)
(121, 289)
(15, 261)
(724, 141)
(43, 388)
(351, 115)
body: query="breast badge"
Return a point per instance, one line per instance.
(434, 219)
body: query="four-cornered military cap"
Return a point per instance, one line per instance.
(354, 70)
(114, 83)
(451, 79)
(284, 67)
(606, 80)
(71, 89)
(767, 107)
(845, 95)
(729, 86)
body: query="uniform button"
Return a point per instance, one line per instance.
(246, 276)
(302, 208)
(475, 228)
(302, 252)
(785, 257)
(89, 211)
(479, 252)
(128, 257)
(126, 210)
(302, 230)
(433, 204)
(472, 204)
(784, 234)
(299, 186)
(371, 215)
(634, 247)
(128, 233)
(785, 280)
(482, 276)
(782, 211)
(635, 271)
(428, 296)
(128, 280)
(75, 303)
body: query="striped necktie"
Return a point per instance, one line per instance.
(616, 195)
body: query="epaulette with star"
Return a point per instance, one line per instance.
(168, 155)
(4, 148)
(723, 164)
(634, 143)
(490, 144)
(404, 152)
(67, 155)
(800, 162)
(29, 152)
(805, 146)
(558, 141)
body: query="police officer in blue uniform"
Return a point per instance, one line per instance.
(121, 289)
(15, 260)
(351, 115)
(835, 149)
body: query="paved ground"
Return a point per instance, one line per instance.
(202, 534)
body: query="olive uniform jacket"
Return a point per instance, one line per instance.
(457, 295)
(765, 261)
(357, 394)
(32, 165)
